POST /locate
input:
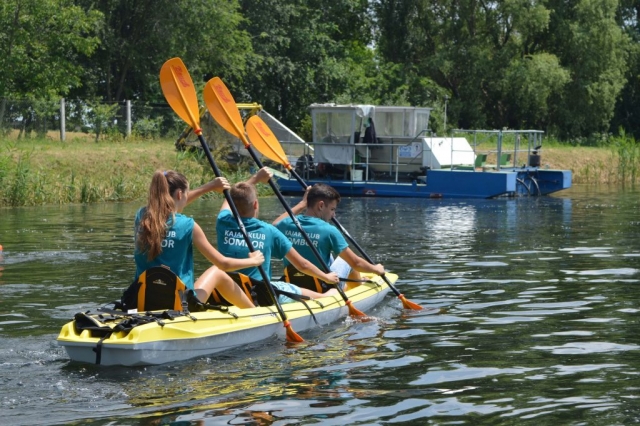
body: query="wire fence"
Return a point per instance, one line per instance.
(68, 118)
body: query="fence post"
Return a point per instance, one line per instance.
(128, 118)
(63, 135)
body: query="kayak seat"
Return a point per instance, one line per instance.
(293, 276)
(156, 289)
(255, 290)
(160, 289)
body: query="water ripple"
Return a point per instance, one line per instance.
(584, 348)
(465, 373)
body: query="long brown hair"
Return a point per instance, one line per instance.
(153, 225)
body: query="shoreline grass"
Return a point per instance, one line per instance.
(79, 170)
(36, 172)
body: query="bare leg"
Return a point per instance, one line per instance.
(214, 278)
(353, 275)
(315, 295)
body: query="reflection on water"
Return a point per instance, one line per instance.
(539, 321)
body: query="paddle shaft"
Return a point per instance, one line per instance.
(224, 109)
(286, 206)
(245, 235)
(347, 235)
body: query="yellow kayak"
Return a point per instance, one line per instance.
(141, 339)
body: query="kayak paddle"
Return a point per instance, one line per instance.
(224, 110)
(179, 91)
(265, 142)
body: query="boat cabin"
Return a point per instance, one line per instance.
(365, 142)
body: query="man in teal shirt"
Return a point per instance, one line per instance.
(319, 205)
(264, 237)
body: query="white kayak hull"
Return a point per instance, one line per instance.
(213, 331)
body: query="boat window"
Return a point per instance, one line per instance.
(333, 127)
(422, 121)
(392, 123)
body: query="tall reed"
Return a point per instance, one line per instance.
(628, 156)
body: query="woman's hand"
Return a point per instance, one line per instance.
(258, 257)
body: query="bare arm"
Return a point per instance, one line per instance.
(297, 209)
(223, 262)
(359, 264)
(261, 176)
(219, 184)
(304, 266)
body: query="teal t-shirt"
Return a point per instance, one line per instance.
(326, 238)
(264, 237)
(177, 249)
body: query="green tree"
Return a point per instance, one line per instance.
(554, 65)
(137, 37)
(478, 52)
(40, 43)
(627, 112)
(307, 52)
(593, 47)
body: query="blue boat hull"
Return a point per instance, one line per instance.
(449, 184)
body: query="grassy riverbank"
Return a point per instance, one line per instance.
(79, 170)
(34, 172)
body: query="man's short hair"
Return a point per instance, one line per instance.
(243, 195)
(322, 192)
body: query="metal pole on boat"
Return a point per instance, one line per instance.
(446, 98)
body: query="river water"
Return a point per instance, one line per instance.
(539, 307)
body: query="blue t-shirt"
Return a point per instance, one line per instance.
(177, 249)
(264, 237)
(326, 238)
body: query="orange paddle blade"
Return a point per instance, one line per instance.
(353, 311)
(265, 141)
(179, 91)
(223, 108)
(292, 336)
(409, 304)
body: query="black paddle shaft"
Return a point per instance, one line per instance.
(347, 235)
(284, 203)
(245, 236)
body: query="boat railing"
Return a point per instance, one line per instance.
(362, 164)
(419, 154)
(492, 150)
(509, 148)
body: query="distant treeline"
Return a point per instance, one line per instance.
(568, 67)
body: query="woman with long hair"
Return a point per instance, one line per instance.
(165, 237)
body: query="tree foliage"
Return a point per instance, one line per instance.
(306, 52)
(568, 67)
(40, 42)
(137, 37)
